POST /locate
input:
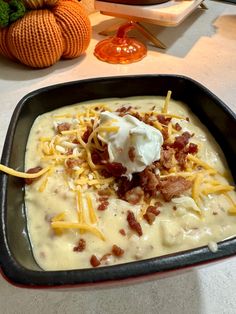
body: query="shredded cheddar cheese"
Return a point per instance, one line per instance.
(92, 214)
(217, 189)
(108, 128)
(59, 217)
(157, 125)
(23, 175)
(196, 187)
(80, 208)
(76, 225)
(167, 100)
(45, 181)
(201, 163)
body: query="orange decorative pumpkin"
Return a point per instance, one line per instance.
(49, 31)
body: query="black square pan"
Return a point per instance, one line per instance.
(16, 259)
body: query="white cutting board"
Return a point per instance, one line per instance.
(170, 13)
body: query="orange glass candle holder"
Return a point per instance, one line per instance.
(120, 48)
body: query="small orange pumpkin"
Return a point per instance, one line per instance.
(44, 35)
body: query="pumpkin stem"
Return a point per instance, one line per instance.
(10, 12)
(4, 13)
(17, 10)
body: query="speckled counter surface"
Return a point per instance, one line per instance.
(203, 48)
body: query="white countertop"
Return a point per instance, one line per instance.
(203, 48)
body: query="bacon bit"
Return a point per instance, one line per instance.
(124, 184)
(147, 120)
(134, 225)
(122, 232)
(123, 109)
(153, 210)
(80, 246)
(87, 133)
(131, 153)
(105, 173)
(181, 141)
(187, 119)
(151, 214)
(75, 141)
(149, 181)
(32, 170)
(163, 120)
(134, 195)
(177, 127)
(117, 251)
(174, 186)
(115, 169)
(63, 127)
(99, 158)
(149, 217)
(72, 162)
(192, 148)
(96, 158)
(167, 157)
(94, 261)
(103, 205)
(181, 157)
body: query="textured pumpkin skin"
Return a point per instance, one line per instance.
(40, 45)
(43, 36)
(36, 4)
(77, 23)
(4, 49)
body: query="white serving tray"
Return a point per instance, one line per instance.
(170, 13)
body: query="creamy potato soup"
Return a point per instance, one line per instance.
(124, 180)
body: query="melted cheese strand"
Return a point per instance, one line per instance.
(157, 125)
(108, 128)
(217, 189)
(80, 207)
(201, 163)
(59, 217)
(76, 225)
(92, 214)
(182, 174)
(82, 143)
(196, 187)
(231, 210)
(97, 144)
(44, 184)
(87, 147)
(23, 175)
(143, 211)
(167, 100)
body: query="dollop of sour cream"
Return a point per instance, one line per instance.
(135, 144)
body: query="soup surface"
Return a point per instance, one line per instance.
(127, 179)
